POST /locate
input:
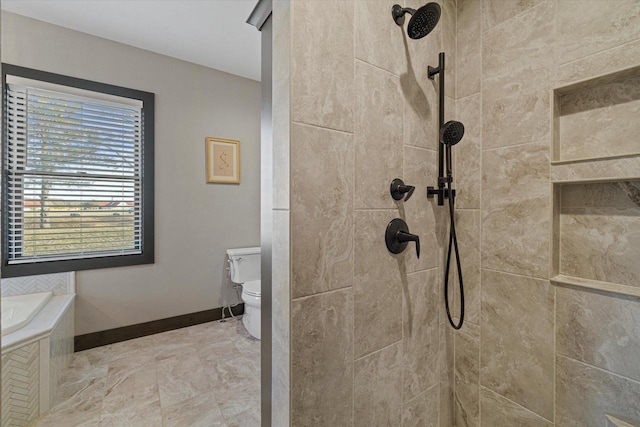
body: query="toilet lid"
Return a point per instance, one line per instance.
(252, 288)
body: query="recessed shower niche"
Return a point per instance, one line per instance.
(597, 235)
(597, 118)
(595, 171)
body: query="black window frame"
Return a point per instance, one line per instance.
(56, 266)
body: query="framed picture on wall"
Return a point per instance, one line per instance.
(223, 160)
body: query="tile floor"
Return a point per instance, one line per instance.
(204, 375)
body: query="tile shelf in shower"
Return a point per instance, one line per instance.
(596, 170)
(596, 235)
(563, 280)
(597, 119)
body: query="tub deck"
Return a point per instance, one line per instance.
(34, 359)
(18, 311)
(40, 326)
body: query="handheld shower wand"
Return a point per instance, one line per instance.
(449, 134)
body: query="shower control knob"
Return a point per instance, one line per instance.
(398, 190)
(397, 237)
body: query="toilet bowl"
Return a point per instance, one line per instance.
(251, 316)
(244, 269)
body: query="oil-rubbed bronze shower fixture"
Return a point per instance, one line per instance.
(422, 22)
(398, 190)
(449, 134)
(397, 237)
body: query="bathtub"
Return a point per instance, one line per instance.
(19, 310)
(37, 345)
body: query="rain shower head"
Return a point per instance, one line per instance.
(422, 21)
(451, 132)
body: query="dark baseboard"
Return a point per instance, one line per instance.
(111, 336)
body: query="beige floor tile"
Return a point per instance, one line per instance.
(131, 373)
(204, 375)
(68, 390)
(94, 358)
(238, 400)
(229, 373)
(248, 418)
(181, 378)
(139, 407)
(173, 343)
(57, 419)
(200, 411)
(81, 408)
(133, 348)
(235, 386)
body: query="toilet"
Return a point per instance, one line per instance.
(244, 268)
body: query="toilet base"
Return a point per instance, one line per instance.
(251, 320)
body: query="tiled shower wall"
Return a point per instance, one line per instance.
(533, 353)
(368, 342)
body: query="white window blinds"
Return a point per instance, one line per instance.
(73, 168)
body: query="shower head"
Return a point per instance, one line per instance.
(422, 21)
(451, 132)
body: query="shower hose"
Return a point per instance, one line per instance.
(453, 242)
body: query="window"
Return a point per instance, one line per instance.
(77, 186)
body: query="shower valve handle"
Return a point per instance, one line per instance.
(398, 189)
(397, 237)
(404, 237)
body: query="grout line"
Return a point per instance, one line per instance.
(352, 237)
(321, 127)
(555, 347)
(423, 392)
(481, 125)
(414, 273)
(588, 365)
(561, 64)
(464, 98)
(386, 347)
(388, 210)
(356, 59)
(516, 403)
(330, 291)
(517, 274)
(417, 147)
(499, 24)
(553, 217)
(518, 144)
(455, 50)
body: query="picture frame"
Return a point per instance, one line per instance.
(223, 160)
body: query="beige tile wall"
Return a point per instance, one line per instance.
(369, 341)
(537, 354)
(368, 347)
(600, 232)
(281, 239)
(590, 115)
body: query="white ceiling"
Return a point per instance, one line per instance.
(213, 33)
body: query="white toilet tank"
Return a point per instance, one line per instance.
(244, 264)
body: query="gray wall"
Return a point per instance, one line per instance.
(195, 222)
